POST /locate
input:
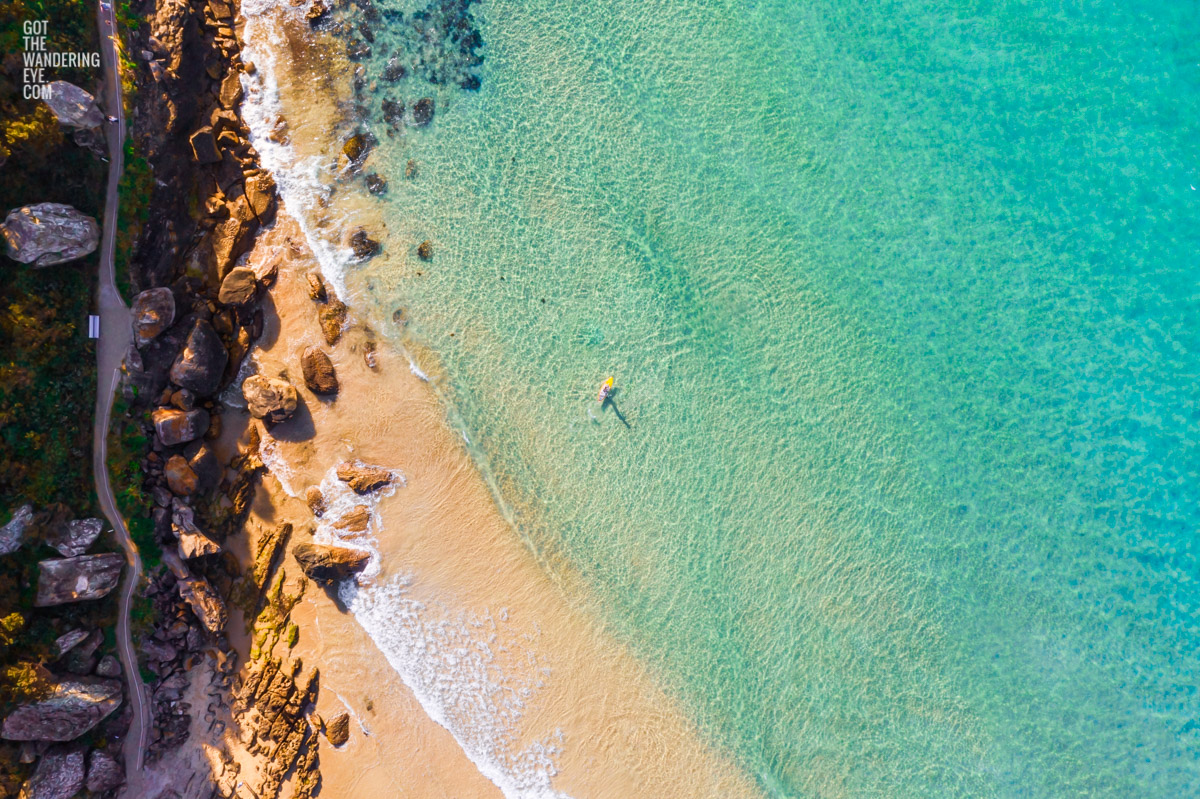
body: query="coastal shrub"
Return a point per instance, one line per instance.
(127, 442)
(133, 209)
(47, 385)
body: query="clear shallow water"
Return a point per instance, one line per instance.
(902, 306)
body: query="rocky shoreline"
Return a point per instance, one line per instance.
(195, 320)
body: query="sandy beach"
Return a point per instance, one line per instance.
(524, 685)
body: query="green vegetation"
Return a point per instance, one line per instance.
(133, 210)
(43, 165)
(126, 444)
(47, 363)
(293, 635)
(47, 385)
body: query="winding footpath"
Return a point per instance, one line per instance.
(115, 338)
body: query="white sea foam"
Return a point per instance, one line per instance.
(298, 178)
(450, 662)
(447, 658)
(416, 370)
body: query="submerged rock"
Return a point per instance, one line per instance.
(200, 365)
(394, 70)
(152, 312)
(76, 537)
(49, 233)
(319, 374)
(77, 579)
(425, 250)
(363, 245)
(357, 147)
(376, 184)
(362, 478)
(69, 709)
(59, 774)
(328, 564)
(393, 112)
(270, 398)
(423, 111)
(12, 535)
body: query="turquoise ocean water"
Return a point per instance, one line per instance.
(901, 299)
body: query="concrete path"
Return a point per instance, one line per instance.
(115, 338)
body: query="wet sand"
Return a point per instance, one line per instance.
(582, 703)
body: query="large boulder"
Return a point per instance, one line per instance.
(68, 641)
(270, 398)
(193, 542)
(77, 579)
(205, 603)
(73, 106)
(337, 729)
(204, 146)
(181, 477)
(239, 286)
(363, 478)
(104, 772)
(153, 312)
(174, 427)
(49, 233)
(260, 193)
(70, 708)
(200, 365)
(75, 537)
(12, 535)
(319, 374)
(233, 236)
(231, 90)
(59, 774)
(328, 564)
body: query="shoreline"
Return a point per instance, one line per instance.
(437, 540)
(479, 618)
